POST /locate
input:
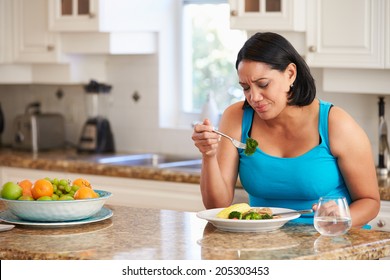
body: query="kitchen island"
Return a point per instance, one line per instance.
(67, 160)
(152, 234)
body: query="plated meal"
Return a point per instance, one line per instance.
(242, 211)
(266, 220)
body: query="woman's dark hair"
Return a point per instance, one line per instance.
(274, 50)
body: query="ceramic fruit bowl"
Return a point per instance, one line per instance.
(57, 210)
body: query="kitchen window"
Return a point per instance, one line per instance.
(209, 51)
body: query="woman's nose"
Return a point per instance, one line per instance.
(256, 95)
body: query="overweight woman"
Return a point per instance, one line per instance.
(307, 148)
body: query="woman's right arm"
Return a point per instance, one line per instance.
(219, 158)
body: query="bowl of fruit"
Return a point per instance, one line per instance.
(53, 200)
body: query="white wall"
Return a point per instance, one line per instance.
(362, 107)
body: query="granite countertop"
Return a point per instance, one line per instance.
(69, 161)
(152, 234)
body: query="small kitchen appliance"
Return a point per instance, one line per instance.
(1, 124)
(96, 136)
(37, 131)
(383, 157)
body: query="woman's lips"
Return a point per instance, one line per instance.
(261, 108)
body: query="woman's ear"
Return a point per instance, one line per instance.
(291, 72)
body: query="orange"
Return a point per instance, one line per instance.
(82, 183)
(42, 187)
(85, 192)
(26, 186)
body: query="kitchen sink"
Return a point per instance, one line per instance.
(152, 160)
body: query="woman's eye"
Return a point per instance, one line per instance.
(263, 85)
(245, 88)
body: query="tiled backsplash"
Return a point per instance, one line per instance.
(135, 124)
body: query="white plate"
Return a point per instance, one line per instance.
(6, 227)
(103, 214)
(247, 225)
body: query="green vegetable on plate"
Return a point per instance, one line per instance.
(235, 215)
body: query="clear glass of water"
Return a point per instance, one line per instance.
(332, 217)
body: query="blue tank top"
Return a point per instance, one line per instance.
(295, 183)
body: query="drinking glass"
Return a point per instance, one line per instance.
(332, 217)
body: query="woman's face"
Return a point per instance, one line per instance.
(265, 89)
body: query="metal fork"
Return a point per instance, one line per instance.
(235, 142)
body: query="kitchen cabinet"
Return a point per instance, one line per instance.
(25, 39)
(74, 15)
(37, 45)
(33, 42)
(5, 31)
(347, 34)
(126, 191)
(387, 34)
(277, 15)
(115, 27)
(106, 15)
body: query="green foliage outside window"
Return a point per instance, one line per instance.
(214, 51)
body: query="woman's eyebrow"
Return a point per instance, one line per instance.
(254, 81)
(259, 79)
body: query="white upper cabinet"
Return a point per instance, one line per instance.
(387, 34)
(347, 33)
(106, 15)
(5, 32)
(115, 26)
(33, 42)
(270, 15)
(74, 15)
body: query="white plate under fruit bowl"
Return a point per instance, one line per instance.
(57, 210)
(248, 225)
(103, 214)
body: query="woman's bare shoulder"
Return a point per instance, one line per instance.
(344, 131)
(232, 118)
(339, 119)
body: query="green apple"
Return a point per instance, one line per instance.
(11, 190)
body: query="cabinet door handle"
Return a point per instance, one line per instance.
(312, 49)
(233, 13)
(50, 48)
(380, 223)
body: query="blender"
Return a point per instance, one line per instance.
(96, 135)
